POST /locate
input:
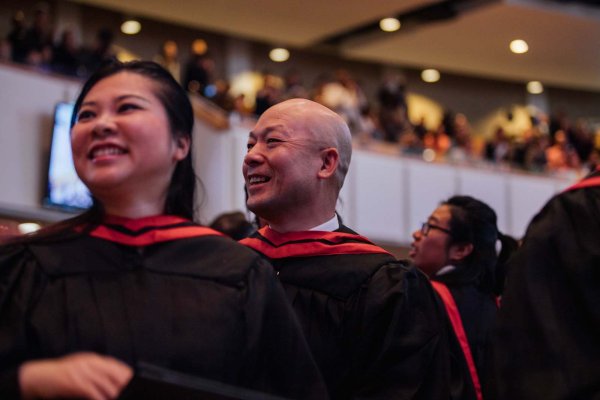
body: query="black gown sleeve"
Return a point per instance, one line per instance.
(402, 350)
(279, 359)
(545, 344)
(20, 281)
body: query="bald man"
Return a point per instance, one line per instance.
(372, 323)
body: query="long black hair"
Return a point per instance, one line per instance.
(509, 245)
(182, 188)
(472, 221)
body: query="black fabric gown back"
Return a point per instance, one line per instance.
(162, 291)
(547, 342)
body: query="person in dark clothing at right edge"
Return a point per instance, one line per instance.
(373, 324)
(546, 344)
(456, 248)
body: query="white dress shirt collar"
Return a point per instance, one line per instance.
(328, 226)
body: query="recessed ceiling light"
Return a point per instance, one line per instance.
(389, 24)
(131, 27)
(535, 87)
(519, 46)
(279, 54)
(430, 75)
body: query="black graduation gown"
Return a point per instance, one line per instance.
(372, 323)
(547, 341)
(477, 311)
(159, 290)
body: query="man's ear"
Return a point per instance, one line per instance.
(330, 159)
(460, 251)
(182, 144)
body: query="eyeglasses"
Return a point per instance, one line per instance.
(426, 227)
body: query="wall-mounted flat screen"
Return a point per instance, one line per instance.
(64, 189)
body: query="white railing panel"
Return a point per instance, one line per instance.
(379, 196)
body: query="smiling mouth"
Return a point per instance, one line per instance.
(105, 151)
(257, 179)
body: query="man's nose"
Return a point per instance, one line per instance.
(253, 156)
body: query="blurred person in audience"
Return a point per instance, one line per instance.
(66, 58)
(222, 97)
(496, 149)
(593, 161)
(268, 95)
(16, 37)
(40, 60)
(558, 121)
(344, 96)
(5, 50)
(438, 141)
(518, 148)
(410, 143)
(560, 155)
(316, 93)
(545, 343)
(240, 107)
(580, 138)
(199, 68)
(535, 153)
(373, 323)
(134, 279)
(461, 149)
(476, 148)
(459, 153)
(168, 58)
(540, 121)
(294, 89)
(420, 129)
(38, 38)
(456, 248)
(233, 224)
(448, 124)
(393, 109)
(367, 127)
(101, 51)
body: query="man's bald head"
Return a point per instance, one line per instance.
(326, 128)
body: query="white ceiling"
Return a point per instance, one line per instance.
(564, 41)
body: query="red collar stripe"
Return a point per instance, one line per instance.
(147, 231)
(153, 236)
(137, 224)
(333, 237)
(309, 243)
(589, 182)
(459, 330)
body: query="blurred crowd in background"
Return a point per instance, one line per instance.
(551, 143)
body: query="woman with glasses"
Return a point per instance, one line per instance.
(456, 248)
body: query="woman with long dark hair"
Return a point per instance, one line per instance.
(133, 279)
(457, 249)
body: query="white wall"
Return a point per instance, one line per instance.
(394, 196)
(27, 101)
